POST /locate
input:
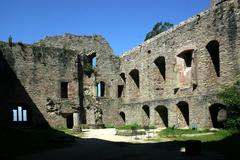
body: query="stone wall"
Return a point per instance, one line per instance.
(107, 67)
(190, 79)
(107, 64)
(40, 70)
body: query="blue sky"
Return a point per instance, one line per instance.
(124, 23)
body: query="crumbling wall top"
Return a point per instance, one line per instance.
(91, 44)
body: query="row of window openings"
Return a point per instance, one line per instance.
(215, 110)
(19, 115)
(64, 85)
(187, 56)
(212, 47)
(100, 89)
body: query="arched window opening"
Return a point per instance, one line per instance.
(92, 60)
(120, 90)
(122, 75)
(122, 114)
(218, 115)
(184, 108)
(135, 76)
(187, 56)
(162, 117)
(146, 110)
(161, 65)
(101, 89)
(213, 50)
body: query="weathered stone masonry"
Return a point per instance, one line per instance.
(200, 55)
(169, 80)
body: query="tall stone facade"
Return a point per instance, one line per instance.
(170, 80)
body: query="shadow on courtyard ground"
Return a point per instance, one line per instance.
(22, 141)
(99, 149)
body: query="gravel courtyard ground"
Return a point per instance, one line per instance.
(110, 135)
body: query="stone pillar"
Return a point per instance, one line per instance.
(152, 116)
(76, 121)
(95, 90)
(172, 116)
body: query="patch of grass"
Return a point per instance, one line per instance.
(172, 132)
(130, 127)
(181, 134)
(61, 129)
(109, 126)
(216, 136)
(70, 132)
(18, 141)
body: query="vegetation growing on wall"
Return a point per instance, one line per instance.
(88, 69)
(159, 27)
(230, 97)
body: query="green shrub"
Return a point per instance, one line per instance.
(10, 42)
(230, 96)
(232, 123)
(88, 69)
(159, 27)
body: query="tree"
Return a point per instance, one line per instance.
(10, 42)
(159, 27)
(230, 96)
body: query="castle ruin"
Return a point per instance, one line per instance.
(170, 80)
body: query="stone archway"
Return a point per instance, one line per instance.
(213, 50)
(123, 116)
(218, 115)
(161, 116)
(146, 115)
(183, 114)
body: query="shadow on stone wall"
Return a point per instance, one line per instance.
(30, 134)
(12, 95)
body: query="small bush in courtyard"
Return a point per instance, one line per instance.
(230, 96)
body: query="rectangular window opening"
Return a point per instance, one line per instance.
(25, 115)
(15, 115)
(64, 89)
(19, 113)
